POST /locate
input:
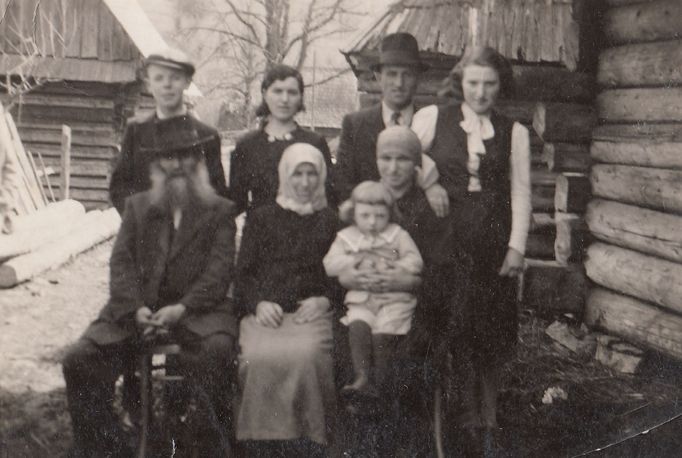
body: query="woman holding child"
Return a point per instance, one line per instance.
(483, 159)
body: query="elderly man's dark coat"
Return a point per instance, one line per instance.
(155, 265)
(131, 172)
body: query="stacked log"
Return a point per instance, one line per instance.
(50, 237)
(636, 212)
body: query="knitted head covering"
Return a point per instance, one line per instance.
(293, 156)
(400, 138)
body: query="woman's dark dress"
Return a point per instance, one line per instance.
(286, 373)
(482, 307)
(254, 162)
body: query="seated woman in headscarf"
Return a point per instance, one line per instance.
(283, 293)
(406, 386)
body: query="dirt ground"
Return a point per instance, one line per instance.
(602, 409)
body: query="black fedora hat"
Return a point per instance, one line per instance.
(399, 49)
(176, 137)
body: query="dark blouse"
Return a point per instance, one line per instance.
(280, 259)
(430, 233)
(253, 167)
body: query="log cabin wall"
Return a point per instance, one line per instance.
(636, 212)
(550, 44)
(87, 65)
(97, 122)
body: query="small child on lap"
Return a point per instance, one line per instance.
(373, 245)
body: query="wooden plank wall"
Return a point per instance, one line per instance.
(73, 28)
(636, 214)
(95, 113)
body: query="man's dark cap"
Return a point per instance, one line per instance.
(171, 58)
(399, 49)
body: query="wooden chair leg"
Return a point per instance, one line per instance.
(145, 396)
(438, 421)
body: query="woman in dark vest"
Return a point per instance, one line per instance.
(483, 159)
(253, 165)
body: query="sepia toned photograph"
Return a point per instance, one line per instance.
(340, 228)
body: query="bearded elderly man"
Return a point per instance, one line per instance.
(171, 266)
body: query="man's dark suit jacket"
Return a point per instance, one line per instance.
(131, 172)
(152, 267)
(356, 157)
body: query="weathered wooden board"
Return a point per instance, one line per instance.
(550, 287)
(645, 64)
(640, 105)
(564, 122)
(572, 193)
(646, 277)
(567, 157)
(641, 131)
(81, 167)
(664, 155)
(572, 237)
(641, 22)
(646, 187)
(540, 245)
(629, 226)
(637, 321)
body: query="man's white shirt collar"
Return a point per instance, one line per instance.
(406, 114)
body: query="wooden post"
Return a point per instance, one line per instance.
(65, 175)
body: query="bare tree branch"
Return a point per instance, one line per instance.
(329, 78)
(245, 23)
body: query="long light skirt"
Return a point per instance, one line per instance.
(287, 380)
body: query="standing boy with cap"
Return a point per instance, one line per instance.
(168, 73)
(397, 72)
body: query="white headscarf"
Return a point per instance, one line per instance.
(293, 156)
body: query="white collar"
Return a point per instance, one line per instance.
(354, 238)
(406, 114)
(163, 116)
(478, 128)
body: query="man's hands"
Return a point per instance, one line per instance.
(165, 317)
(438, 199)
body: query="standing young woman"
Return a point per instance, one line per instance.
(483, 159)
(253, 167)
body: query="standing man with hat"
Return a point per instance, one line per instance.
(397, 71)
(168, 73)
(171, 267)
